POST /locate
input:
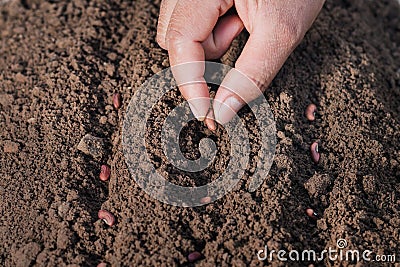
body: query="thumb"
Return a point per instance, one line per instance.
(262, 57)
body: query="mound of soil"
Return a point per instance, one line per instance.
(61, 62)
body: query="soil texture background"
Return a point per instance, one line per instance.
(62, 61)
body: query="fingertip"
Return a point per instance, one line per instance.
(198, 110)
(193, 87)
(236, 90)
(160, 39)
(199, 107)
(226, 109)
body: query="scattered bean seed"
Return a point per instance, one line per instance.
(209, 120)
(314, 152)
(194, 256)
(117, 100)
(102, 264)
(310, 112)
(311, 213)
(105, 173)
(107, 217)
(205, 200)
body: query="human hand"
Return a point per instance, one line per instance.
(197, 30)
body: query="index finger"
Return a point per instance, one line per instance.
(190, 24)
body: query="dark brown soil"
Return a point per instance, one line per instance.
(61, 63)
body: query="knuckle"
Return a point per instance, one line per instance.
(174, 37)
(289, 31)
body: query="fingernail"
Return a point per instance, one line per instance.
(199, 107)
(228, 109)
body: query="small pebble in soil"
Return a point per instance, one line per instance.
(205, 200)
(312, 214)
(194, 256)
(310, 112)
(105, 172)
(314, 152)
(107, 217)
(117, 100)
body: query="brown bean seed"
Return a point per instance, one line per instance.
(205, 200)
(105, 173)
(107, 217)
(314, 152)
(311, 213)
(310, 112)
(210, 120)
(117, 100)
(102, 264)
(194, 256)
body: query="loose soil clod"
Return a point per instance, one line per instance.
(105, 173)
(314, 152)
(92, 146)
(107, 217)
(311, 213)
(310, 112)
(117, 100)
(10, 146)
(194, 256)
